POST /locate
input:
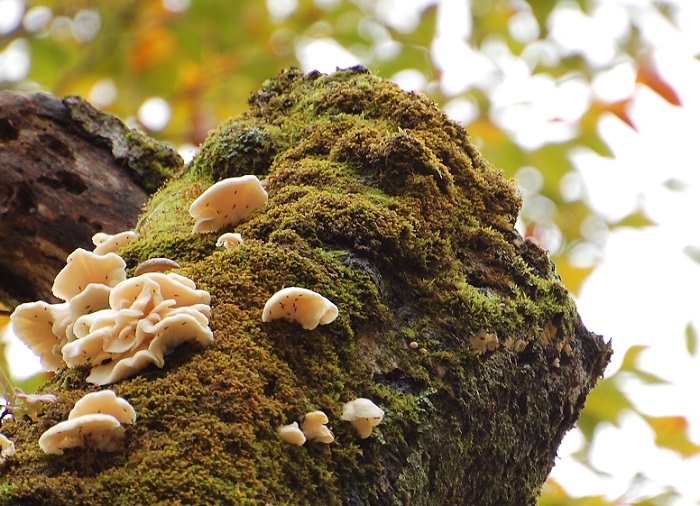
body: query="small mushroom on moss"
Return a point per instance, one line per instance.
(7, 448)
(106, 243)
(104, 402)
(95, 421)
(313, 425)
(363, 414)
(227, 202)
(229, 241)
(306, 307)
(156, 265)
(291, 434)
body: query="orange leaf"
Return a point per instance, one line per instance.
(648, 75)
(672, 433)
(618, 108)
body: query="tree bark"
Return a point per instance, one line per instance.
(451, 322)
(68, 171)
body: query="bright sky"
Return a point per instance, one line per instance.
(646, 290)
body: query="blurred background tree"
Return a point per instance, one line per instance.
(531, 81)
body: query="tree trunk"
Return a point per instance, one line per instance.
(68, 171)
(454, 325)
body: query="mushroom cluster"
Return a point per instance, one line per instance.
(115, 324)
(148, 316)
(362, 413)
(95, 421)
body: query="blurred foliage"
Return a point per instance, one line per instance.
(205, 57)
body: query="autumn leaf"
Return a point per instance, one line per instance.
(648, 75)
(672, 433)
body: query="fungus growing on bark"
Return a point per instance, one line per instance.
(104, 402)
(95, 421)
(291, 434)
(229, 241)
(7, 448)
(306, 307)
(156, 265)
(148, 316)
(84, 283)
(363, 414)
(313, 425)
(85, 267)
(106, 243)
(227, 202)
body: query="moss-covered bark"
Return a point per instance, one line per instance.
(382, 204)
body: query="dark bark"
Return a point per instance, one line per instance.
(67, 171)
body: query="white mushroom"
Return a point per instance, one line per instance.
(227, 202)
(363, 414)
(291, 434)
(313, 425)
(102, 432)
(306, 307)
(104, 402)
(229, 241)
(85, 267)
(95, 421)
(148, 316)
(32, 322)
(7, 448)
(106, 243)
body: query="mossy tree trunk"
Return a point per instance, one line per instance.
(457, 327)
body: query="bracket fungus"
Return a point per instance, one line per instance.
(84, 284)
(95, 420)
(291, 434)
(313, 425)
(106, 243)
(301, 305)
(148, 316)
(229, 241)
(227, 202)
(363, 414)
(84, 267)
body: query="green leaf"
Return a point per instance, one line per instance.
(630, 365)
(691, 340)
(636, 219)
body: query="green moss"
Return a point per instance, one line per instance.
(380, 203)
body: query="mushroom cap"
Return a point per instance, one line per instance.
(100, 431)
(227, 202)
(104, 402)
(291, 434)
(314, 427)
(362, 409)
(106, 243)
(33, 323)
(304, 306)
(229, 240)
(85, 267)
